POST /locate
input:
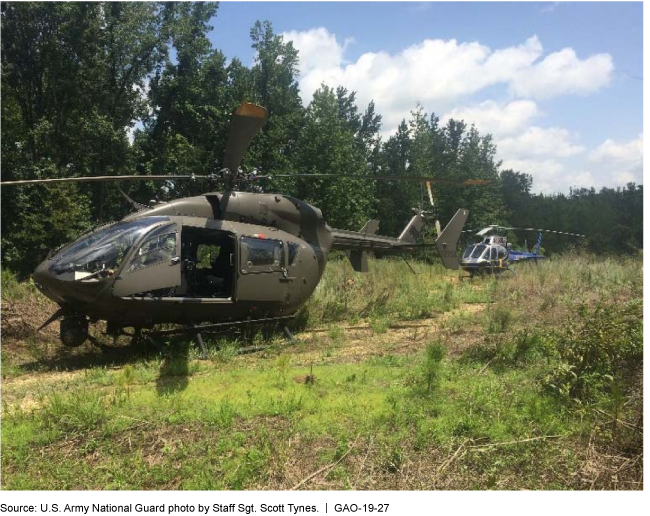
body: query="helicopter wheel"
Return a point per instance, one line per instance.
(74, 331)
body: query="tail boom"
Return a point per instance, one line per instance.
(359, 243)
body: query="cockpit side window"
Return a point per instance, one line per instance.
(158, 247)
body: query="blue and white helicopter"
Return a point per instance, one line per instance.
(494, 254)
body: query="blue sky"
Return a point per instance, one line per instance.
(559, 85)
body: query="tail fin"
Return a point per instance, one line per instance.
(358, 257)
(413, 229)
(448, 239)
(370, 227)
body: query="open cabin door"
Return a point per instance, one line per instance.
(208, 254)
(154, 267)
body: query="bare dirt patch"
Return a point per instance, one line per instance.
(20, 319)
(353, 344)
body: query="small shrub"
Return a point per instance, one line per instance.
(449, 296)
(12, 289)
(434, 354)
(336, 333)
(227, 350)
(379, 325)
(282, 366)
(499, 319)
(78, 413)
(603, 343)
(524, 347)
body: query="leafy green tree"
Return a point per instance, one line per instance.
(72, 82)
(329, 145)
(395, 198)
(515, 191)
(274, 78)
(186, 127)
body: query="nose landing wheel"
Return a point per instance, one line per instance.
(74, 330)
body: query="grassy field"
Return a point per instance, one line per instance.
(396, 381)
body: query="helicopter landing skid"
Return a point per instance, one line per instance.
(197, 330)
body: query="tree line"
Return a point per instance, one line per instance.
(76, 77)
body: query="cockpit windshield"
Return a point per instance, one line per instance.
(104, 249)
(475, 252)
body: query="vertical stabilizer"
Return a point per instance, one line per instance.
(448, 239)
(412, 230)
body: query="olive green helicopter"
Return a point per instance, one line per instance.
(214, 261)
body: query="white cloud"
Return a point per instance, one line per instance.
(491, 117)
(438, 72)
(584, 179)
(549, 7)
(619, 163)
(625, 176)
(612, 152)
(611, 164)
(442, 74)
(538, 141)
(561, 73)
(318, 49)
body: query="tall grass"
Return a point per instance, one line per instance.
(537, 389)
(390, 289)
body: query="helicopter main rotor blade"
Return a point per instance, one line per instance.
(93, 179)
(536, 230)
(246, 121)
(415, 179)
(486, 230)
(547, 231)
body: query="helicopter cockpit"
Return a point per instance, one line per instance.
(100, 253)
(148, 257)
(475, 251)
(487, 256)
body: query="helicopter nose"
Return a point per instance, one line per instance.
(41, 275)
(46, 282)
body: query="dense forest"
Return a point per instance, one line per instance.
(117, 88)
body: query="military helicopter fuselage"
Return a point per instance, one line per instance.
(215, 257)
(218, 257)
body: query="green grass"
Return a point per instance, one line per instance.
(469, 406)
(348, 402)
